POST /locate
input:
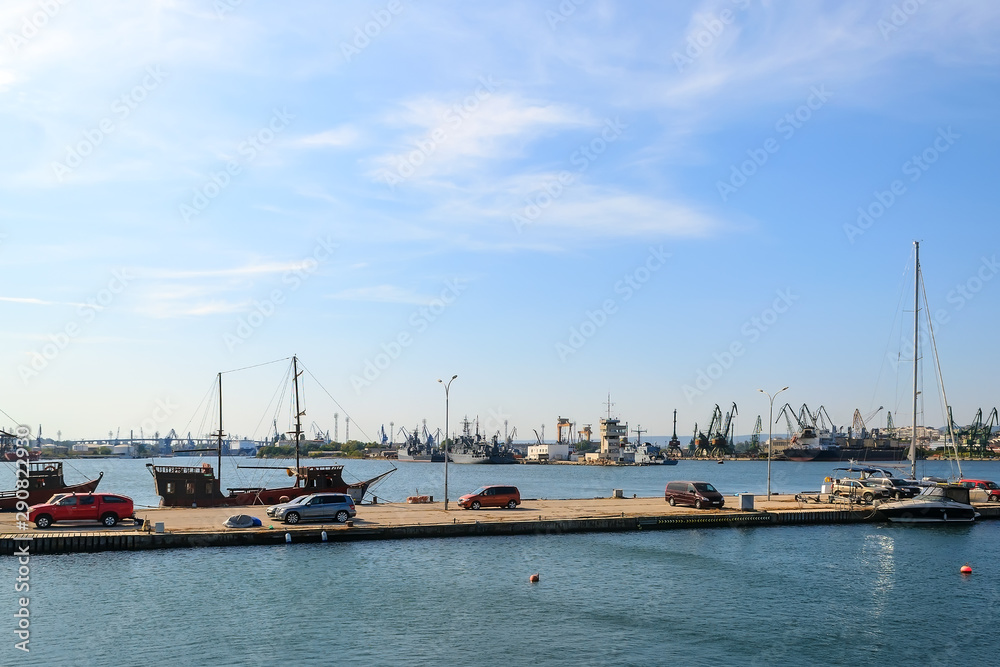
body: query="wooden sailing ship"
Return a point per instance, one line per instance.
(200, 486)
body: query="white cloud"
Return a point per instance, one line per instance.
(338, 137)
(452, 138)
(380, 294)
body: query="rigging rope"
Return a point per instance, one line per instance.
(367, 437)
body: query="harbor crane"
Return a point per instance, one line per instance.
(755, 437)
(674, 446)
(859, 428)
(789, 414)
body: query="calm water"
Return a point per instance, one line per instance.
(766, 596)
(761, 596)
(131, 477)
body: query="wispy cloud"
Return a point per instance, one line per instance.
(441, 137)
(338, 137)
(38, 302)
(380, 294)
(239, 271)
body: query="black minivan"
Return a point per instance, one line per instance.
(699, 494)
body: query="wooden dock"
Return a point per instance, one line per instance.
(187, 528)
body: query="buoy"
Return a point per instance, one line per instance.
(324, 536)
(288, 538)
(966, 569)
(533, 578)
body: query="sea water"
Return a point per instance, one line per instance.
(776, 595)
(788, 595)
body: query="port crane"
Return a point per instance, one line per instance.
(674, 446)
(789, 412)
(859, 429)
(722, 443)
(755, 437)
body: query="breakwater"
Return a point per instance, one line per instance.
(189, 528)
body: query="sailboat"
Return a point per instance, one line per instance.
(200, 486)
(44, 479)
(946, 503)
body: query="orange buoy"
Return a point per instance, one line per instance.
(533, 578)
(966, 569)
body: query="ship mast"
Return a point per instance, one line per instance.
(218, 436)
(298, 415)
(916, 356)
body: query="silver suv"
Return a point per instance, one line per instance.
(859, 490)
(337, 506)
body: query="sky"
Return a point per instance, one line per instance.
(671, 204)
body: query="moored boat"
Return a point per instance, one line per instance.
(940, 503)
(200, 486)
(44, 480)
(469, 448)
(935, 504)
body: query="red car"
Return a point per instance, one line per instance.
(107, 508)
(991, 488)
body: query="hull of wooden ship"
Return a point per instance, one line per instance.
(185, 486)
(44, 481)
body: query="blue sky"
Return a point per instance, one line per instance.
(677, 203)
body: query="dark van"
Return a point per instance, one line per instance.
(699, 494)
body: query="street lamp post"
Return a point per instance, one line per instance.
(447, 387)
(770, 419)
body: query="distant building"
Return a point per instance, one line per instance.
(613, 432)
(549, 452)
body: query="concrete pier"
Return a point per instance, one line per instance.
(185, 528)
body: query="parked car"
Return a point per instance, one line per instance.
(699, 494)
(859, 489)
(108, 508)
(270, 511)
(337, 506)
(897, 488)
(992, 489)
(491, 496)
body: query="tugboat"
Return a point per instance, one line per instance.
(190, 486)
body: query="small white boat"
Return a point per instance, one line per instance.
(935, 504)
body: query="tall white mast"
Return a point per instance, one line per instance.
(916, 356)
